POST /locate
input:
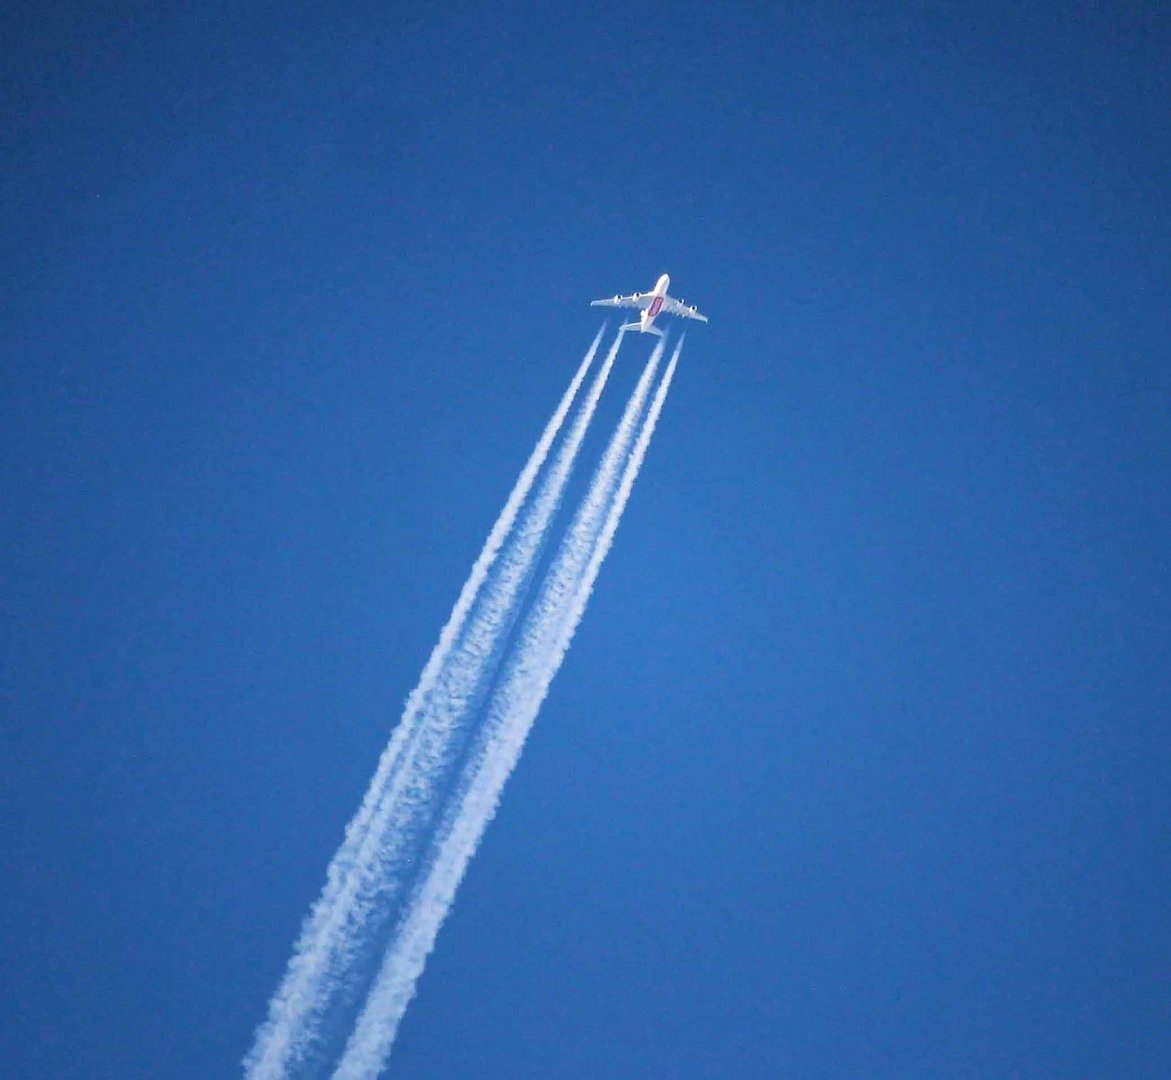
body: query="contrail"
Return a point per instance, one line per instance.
(547, 634)
(403, 820)
(325, 947)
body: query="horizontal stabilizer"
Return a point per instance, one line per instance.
(643, 329)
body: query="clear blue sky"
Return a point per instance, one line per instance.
(859, 766)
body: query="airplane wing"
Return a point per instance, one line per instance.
(678, 307)
(635, 300)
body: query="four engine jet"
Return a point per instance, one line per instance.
(653, 303)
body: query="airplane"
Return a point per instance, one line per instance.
(653, 303)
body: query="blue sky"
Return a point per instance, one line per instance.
(859, 763)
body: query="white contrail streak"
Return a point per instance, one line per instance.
(548, 632)
(404, 818)
(333, 927)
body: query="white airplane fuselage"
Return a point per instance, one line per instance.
(647, 319)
